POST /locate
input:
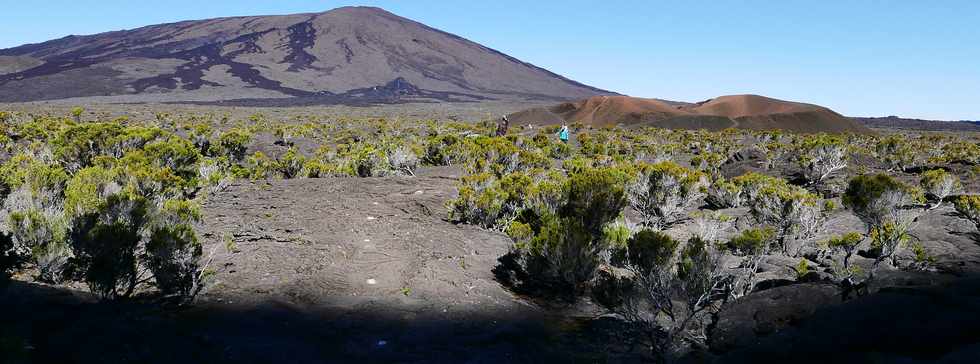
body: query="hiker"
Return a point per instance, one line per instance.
(563, 133)
(502, 126)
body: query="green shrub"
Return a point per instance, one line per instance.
(874, 198)
(709, 162)
(649, 250)
(44, 234)
(87, 189)
(969, 208)
(364, 160)
(567, 248)
(844, 245)
(820, 156)
(897, 152)
(939, 184)
(213, 174)
(259, 166)
(752, 183)
(37, 176)
(176, 154)
(801, 269)
(200, 135)
(962, 152)
(316, 168)
(559, 150)
(791, 210)
(878, 201)
(722, 194)
(662, 192)
(173, 251)
(595, 197)
(490, 202)
(402, 159)
(444, 150)
(140, 175)
(752, 241)
(500, 156)
(616, 235)
(77, 145)
(76, 114)
(105, 244)
(669, 290)
(291, 164)
(232, 144)
(548, 194)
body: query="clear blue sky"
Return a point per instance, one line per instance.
(909, 58)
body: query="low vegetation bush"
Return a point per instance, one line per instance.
(561, 251)
(173, 252)
(897, 152)
(488, 201)
(232, 144)
(752, 246)
(961, 151)
(667, 289)
(820, 156)
(843, 248)
(881, 203)
(790, 210)
(722, 194)
(663, 191)
(969, 208)
(93, 201)
(939, 184)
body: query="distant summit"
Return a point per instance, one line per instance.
(348, 55)
(737, 111)
(896, 122)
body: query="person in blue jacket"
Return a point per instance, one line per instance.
(563, 133)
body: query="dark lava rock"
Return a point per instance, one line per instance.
(744, 161)
(907, 324)
(760, 314)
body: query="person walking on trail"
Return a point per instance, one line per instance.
(563, 133)
(502, 126)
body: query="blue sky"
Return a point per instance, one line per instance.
(875, 58)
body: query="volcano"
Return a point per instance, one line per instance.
(350, 55)
(751, 112)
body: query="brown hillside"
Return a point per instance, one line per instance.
(602, 111)
(737, 106)
(606, 110)
(738, 111)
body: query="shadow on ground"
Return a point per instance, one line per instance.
(895, 325)
(41, 324)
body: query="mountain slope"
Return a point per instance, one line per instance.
(346, 55)
(895, 122)
(762, 113)
(737, 111)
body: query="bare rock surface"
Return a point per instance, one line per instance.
(367, 241)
